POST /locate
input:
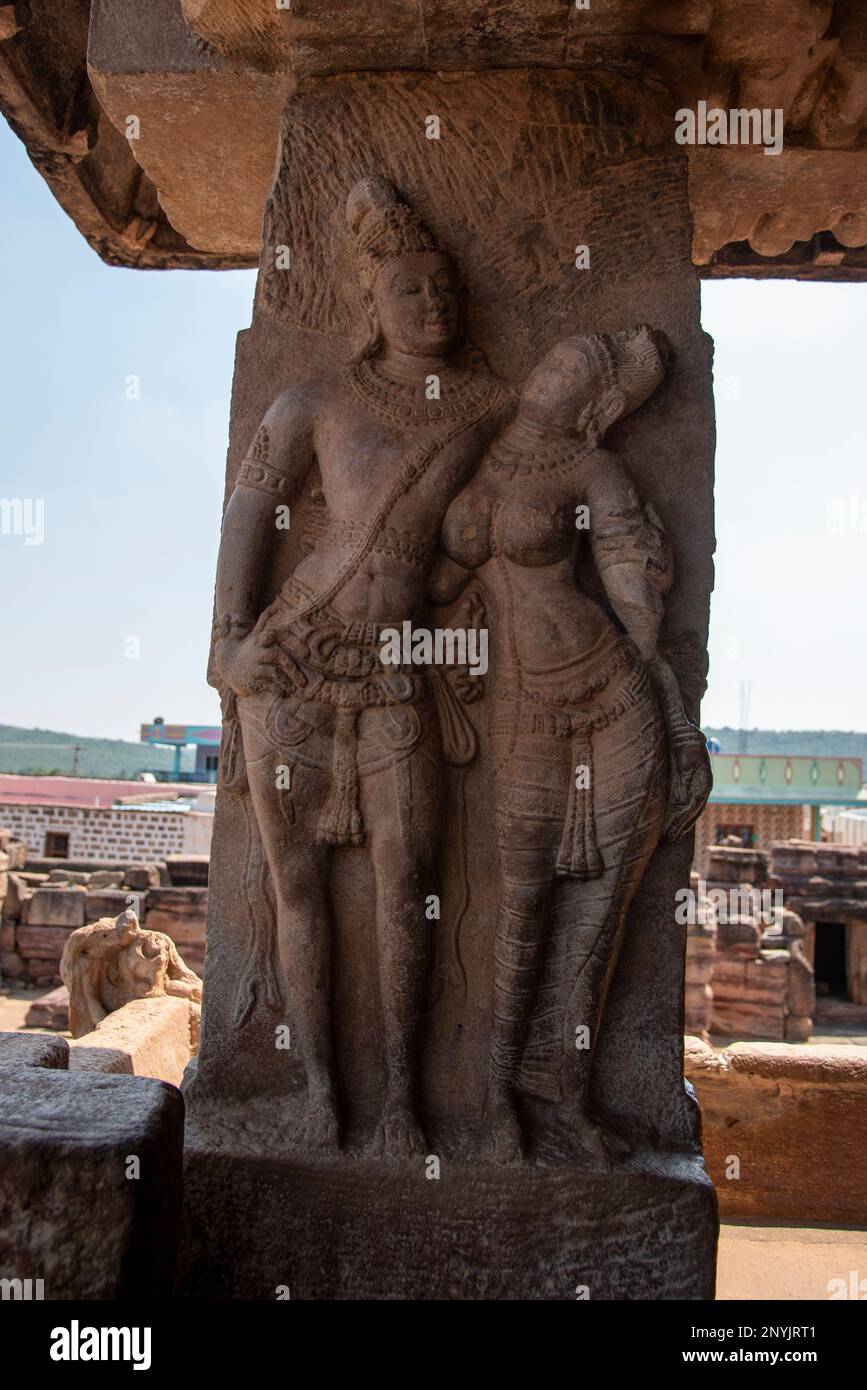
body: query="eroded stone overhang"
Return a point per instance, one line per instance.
(184, 183)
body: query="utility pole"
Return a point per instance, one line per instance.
(743, 715)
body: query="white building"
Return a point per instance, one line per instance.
(89, 818)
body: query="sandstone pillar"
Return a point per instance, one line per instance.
(560, 197)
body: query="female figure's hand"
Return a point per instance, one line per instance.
(691, 783)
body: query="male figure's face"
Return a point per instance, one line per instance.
(418, 303)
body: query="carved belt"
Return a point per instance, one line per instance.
(561, 704)
(340, 661)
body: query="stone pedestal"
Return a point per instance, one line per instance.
(262, 1228)
(90, 1180)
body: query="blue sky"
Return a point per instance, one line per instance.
(133, 488)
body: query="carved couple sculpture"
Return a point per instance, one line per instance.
(428, 495)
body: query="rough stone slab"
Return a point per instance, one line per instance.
(140, 877)
(56, 907)
(146, 1037)
(829, 1064)
(794, 1118)
(69, 1213)
(734, 1020)
(42, 943)
(11, 965)
(16, 893)
(33, 1050)
(51, 1011)
(369, 1230)
(107, 902)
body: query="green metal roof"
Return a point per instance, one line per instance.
(775, 779)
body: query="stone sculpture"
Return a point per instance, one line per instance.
(444, 973)
(110, 962)
(359, 738)
(594, 757)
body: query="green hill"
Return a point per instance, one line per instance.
(46, 752)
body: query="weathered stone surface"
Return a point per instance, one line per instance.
(140, 877)
(188, 870)
(793, 1117)
(316, 900)
(368, 1231)
(73, 1211)
(46, 95)
(107, 964)
(15, 893)
(33, 1050)
(50, 1011)
(68, 877)
(105, 878)
(207, 75)
(146, 1037)
(57, 907)
(17, 852)
(181, 913)
(186, 97)
(42, 943)
(107, 902)
(12, 965)
(41, 973)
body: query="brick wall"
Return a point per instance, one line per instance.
(769, 823)
(100, 832)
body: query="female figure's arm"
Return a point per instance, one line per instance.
(633, 558)
(270, 477)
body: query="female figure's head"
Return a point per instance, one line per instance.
(409, 289)
(585, 384)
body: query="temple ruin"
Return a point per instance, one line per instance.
(443, 951)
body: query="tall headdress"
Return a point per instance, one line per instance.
(632, 361)
(384, 227)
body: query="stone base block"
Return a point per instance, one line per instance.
(90, 1182)
(262, 1228)
(146, 1037)
(33, 1050)
(793, 1117)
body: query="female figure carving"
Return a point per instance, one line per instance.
(595, 759)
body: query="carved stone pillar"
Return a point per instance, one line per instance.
(559, 198)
